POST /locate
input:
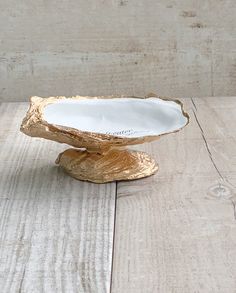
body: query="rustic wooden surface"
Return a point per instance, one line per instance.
(172, 232)
(183, 48)
(56, 233)
(176, 231)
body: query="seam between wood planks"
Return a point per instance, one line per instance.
(205, 141)
(232, 200)
(113, 243)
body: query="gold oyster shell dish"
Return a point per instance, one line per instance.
(99, 128)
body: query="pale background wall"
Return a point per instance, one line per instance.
(98, 47)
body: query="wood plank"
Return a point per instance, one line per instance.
(56, 233)
(176, 231)
(103, 47)
(99, 73)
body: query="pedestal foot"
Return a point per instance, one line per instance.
(113, 165)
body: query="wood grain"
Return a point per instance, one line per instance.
(56, 233)
(174, 48)
(176, 231)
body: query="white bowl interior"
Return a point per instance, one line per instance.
(124, 117)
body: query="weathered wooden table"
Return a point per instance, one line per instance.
(172, 232)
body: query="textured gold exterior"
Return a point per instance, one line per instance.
(110, 166)
(34, 125)
(102, 161)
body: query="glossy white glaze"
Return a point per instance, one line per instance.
(124, 117)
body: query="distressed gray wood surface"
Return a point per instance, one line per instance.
(176, 231)
(177, 48)
(56, 233)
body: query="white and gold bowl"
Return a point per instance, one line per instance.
(100, 127)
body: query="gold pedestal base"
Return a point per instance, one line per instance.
(114, 165)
